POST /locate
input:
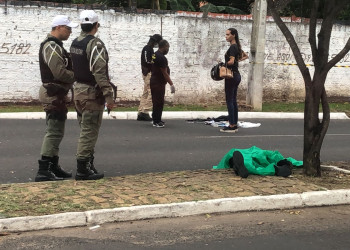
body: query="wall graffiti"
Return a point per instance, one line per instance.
(345, 59)
(15, 48)
(286, 57)
(289, 57)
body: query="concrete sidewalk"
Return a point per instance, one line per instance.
(132, 115)
(160, 195)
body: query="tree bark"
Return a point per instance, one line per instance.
(279, 5)
(155, 4)
(291, 41)
(315, 93)
(314, 130)
(132, 4)
(312, 29)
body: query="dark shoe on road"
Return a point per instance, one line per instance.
(143, 117)
(238, 164)
(229, 129)
(158, 124)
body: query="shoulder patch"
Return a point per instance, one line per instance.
(52, 46)
(99, 45)
(51, 42)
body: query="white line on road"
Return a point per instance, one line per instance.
(254, 136)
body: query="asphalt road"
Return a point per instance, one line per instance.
(131, 147)
(321, 228)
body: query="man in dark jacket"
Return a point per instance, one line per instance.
(146, 66)
(160, 77)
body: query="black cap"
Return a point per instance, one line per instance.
(157, 38)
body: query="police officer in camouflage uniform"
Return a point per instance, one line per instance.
(57, 78)
(91, 91)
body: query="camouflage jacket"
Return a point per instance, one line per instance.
(98, 58)
(55, 58)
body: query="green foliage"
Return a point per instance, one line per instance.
(181, 5)
(220, 9)
(302, 8)
(345, 14)
(111, 3)
(144, 4)
(84, 1)
(59, 1)
(299, 8)
(195, 4)
(243, 5)
(163, 4)
(147, 4)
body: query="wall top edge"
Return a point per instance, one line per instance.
(42, 4)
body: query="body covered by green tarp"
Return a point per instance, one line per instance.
(257, 161)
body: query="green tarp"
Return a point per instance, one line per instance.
(257, 161)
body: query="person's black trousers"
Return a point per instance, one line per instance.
(158, 92)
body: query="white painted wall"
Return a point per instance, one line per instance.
(195, 45)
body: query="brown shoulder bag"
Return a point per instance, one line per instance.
(226, 72)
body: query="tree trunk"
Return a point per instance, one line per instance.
(155, 4)
(132, 4)
(280, 5)
(315, 93)
(314, 130)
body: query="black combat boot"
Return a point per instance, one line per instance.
(92, 166)
(56, 168)
(84, 171)
(45, 173)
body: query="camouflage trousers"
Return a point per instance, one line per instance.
(53, 136)
(56, 115)
(90, 118)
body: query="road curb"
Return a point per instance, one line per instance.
(239, 204)
(132, 115)
(334, 168)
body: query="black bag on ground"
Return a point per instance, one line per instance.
(283, 168)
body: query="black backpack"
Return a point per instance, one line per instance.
(215, 72)
(283, 168)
